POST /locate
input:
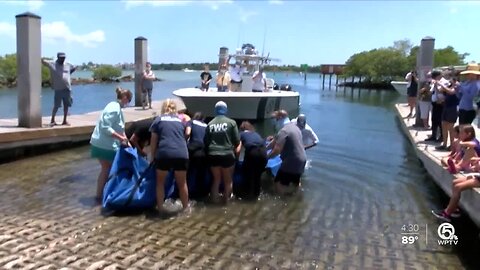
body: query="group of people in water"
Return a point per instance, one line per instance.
(189, 145)
(449, 97)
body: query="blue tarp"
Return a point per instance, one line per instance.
(132, 182)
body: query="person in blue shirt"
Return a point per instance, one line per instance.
(468, 90)
(108, 135)
(195, 132)
(254, 161)
(169, 149)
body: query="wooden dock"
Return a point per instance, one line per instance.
(431, 159)
(17, 142)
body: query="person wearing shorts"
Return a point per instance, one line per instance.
(425, 103)
(288, 143)
(61, 83)
(169, 147)
(449, 116)
(222, 144)
(108, 135)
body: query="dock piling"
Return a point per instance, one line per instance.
(29, 70)
(424, 65)
(141, 56)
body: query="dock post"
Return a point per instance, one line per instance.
(222, 56)
(424, 65)
(141, 56)
(29, 70)
(323, 81)
(330, 81)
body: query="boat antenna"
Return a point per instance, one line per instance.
(264, 37)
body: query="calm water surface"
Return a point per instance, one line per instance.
(364, 182)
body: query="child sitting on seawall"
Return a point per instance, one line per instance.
(455, 148)
(470, 148)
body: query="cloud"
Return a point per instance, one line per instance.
(213, 4)
(245, 14)
(275, 2)
(7, 29)
(32, 5)
(59, 31)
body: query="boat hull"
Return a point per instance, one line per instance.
(400, 87)
(241, 105)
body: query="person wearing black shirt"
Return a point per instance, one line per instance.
(195, 132)
(206, 77)
(139, 134)
(254, 161)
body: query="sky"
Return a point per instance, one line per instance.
(297, 32)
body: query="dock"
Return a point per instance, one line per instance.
(17, 142)
(431, 160)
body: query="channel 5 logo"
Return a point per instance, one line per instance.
(446, 232)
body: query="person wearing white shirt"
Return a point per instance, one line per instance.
(309, 138)
(259, 81)
(438, 98)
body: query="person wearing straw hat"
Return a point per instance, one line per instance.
(468, 90)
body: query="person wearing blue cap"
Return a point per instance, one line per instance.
(61, 82)
(222, 145)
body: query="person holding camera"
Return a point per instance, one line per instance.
(412, 87)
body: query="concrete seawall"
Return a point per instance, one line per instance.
(431, 159)
(17, 142)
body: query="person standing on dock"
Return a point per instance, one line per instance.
(438, 99)
(61, 82)
(412, 86)
(108, 135)
(147, 86)
(468, 90)
(206, 77)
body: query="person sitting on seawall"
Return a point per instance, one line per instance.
(222, 145)
(288, 143)
(259, 80)
(139, 134)
(195, 132)
(470, 149)
(254, 161)
(206, 77)
(459, 184)
(309, 138)
(223, 79)
(107, 136)
(169, 149)
(455, 148)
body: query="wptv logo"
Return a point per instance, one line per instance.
(446, 232)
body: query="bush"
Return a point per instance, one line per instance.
(106, 73)
(8, 71)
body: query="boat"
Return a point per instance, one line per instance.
(400, 87)
(188, 70)
(245, 104)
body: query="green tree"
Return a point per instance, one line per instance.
(8, 70)
(106, 73)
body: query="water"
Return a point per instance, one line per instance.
(363, 184)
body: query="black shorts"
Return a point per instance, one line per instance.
(412, 92)
(176, 164)
(450, 114)
(286, 178)
(225, 161)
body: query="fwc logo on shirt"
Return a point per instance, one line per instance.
(214, 128)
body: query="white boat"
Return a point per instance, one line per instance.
(244, 104)
(400, 87)
(188, 70)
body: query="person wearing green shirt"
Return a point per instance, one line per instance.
(222, 145)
